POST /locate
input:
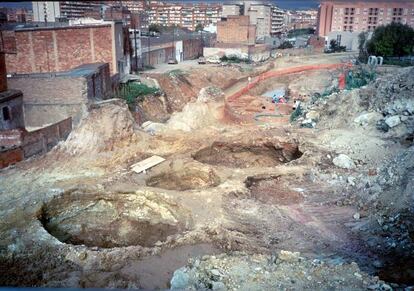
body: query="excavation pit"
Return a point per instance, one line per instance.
(239, 155)
(272, 190)
(111, 220)
(185, 179)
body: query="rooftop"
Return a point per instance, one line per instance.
(81, 71)
(9, 95)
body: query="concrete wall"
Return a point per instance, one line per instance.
(346, 38)
(61, 49)
(11, 110)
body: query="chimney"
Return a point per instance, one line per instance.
(3, 73)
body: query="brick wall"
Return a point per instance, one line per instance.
(21, 144)
(192, 48)
(60, 49)
(3, 74)
(236, 29)
(14, 107)
(49, 100)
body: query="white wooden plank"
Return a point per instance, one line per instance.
(147, 163)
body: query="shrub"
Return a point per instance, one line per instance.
(285, 45)
(133, 91)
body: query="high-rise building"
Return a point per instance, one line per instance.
(267, 18)
(277, 21)
(260, 15)
(358, 16)
(183, 15)
(54, 11)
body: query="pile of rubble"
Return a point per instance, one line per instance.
(283, 271)
(386, 104)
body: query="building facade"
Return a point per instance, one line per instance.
(358, 16)
(183, 15)
(54, 11)
(52, 97)
(277, 21)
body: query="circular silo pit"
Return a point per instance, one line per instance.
(184, 179)
(240, 155)
(112, 219)
(272, 190)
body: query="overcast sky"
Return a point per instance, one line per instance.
(285, 4)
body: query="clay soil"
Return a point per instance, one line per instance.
(80, 217)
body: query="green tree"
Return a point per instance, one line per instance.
(394, 39)
(285, 45)
(154, 28)
(335, 47)
(199, 27)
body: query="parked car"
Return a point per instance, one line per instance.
(172, 61)
(202, 60)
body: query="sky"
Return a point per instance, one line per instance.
(284, 4)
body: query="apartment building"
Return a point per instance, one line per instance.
(358, 16)
(54, 11)
(260, 15)
(19, 15)
(277, 21)
(232, 9)
(268, 19)
(183, 15)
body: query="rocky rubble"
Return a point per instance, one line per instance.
(283, 271)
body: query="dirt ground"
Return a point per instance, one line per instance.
(233, 207)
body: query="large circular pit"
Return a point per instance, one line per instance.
(184, 179)
(112, 219)
(239, 155)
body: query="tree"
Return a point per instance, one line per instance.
(362, 46)
(335, 47)
(394, 39)
(199, 27)
(154, 28)
(285, 45)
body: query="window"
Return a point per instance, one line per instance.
(6, 113)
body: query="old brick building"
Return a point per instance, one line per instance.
(52, 97)
(236, 30)
(54, 49)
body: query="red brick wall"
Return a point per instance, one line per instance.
(3, 74)
(192, 48)
(236, 29)
(60, 49)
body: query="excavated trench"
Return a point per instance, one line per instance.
(184, 179)
(270, 189)
(239, 155)
(112, 219)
